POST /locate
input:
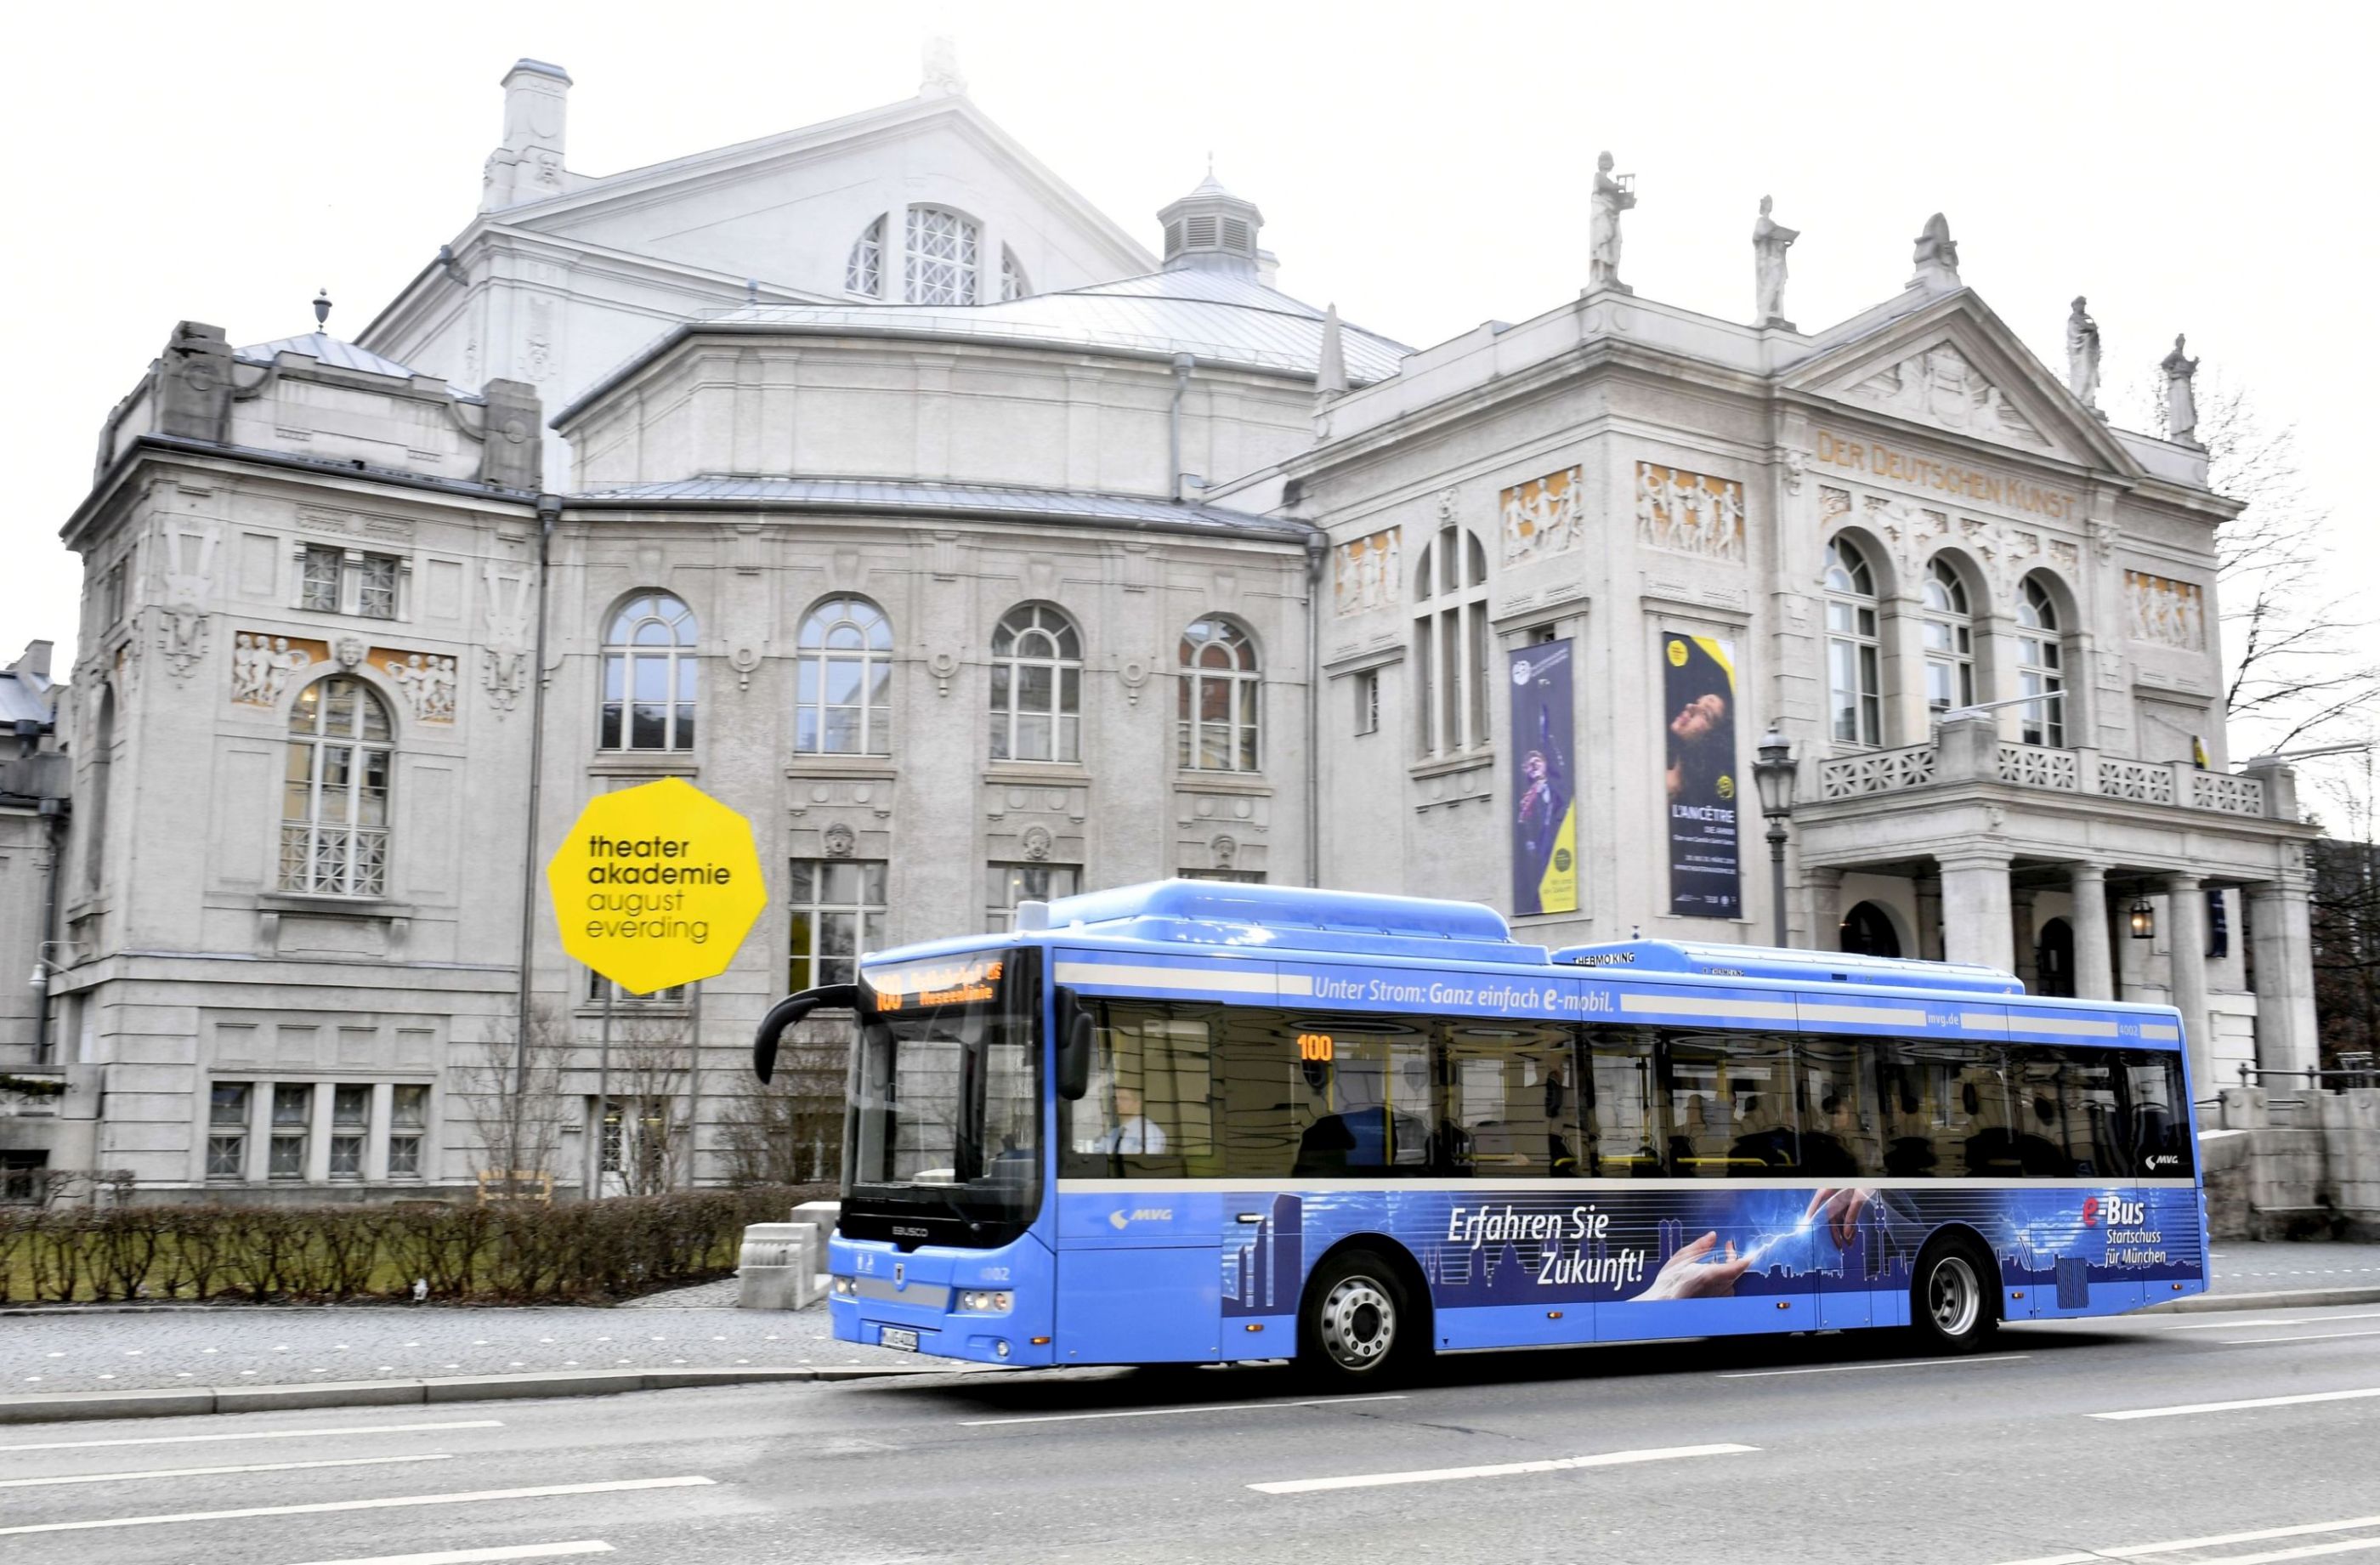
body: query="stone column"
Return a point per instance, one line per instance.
(2094, 967)
(2021, 937)
(1975, 913)
(1823, 894)
(2286, 1033)
(2185, 915)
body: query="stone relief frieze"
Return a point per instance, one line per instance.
(1689, 512)
(425, 681)
(2167, 612)
(262, 665)
(1541, 516)
(1941, 387)
(1365, 572)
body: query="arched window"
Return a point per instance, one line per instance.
(335, 796)
(1218, 703)
(1867, 931)
(1037, 686)
(1949, 640)
(1855, 655)
(1450, 643)
(2041, 665)
(648, 675)
(942, 259)
(863, 271)
(843, 681)
(1013, 284)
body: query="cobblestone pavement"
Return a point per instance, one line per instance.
(233, 1345)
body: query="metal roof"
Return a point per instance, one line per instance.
(324, 349)
(895, 495)
(21, 700)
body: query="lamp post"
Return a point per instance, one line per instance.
(1773, 772)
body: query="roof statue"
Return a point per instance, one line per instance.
(1612, 196)
(1770, 240)
(2083, 355)
(1936, 258)
(943, 78)
(1331, 379)
(2181, 398)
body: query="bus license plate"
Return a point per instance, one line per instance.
(899, 1337)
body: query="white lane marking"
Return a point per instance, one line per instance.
(1167, 1412)
(211, 1472)
(542, 1491)
(465, 1555)
(2298, 1400)
(2229, 1325)
(266, 1434)
(2176, 1546)
(2310, 1337)
(1501, 1470)
(1881, 1364)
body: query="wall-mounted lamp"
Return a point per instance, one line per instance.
(2144, 918)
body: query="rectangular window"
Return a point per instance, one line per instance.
(1627, 1136)
(2068, 1114)
(1368, 701)
(409, 1121)
(1837, 1107)
(2157, 1113)
(1005, 885)
(113, 600)
(596, 984)
(1513, 1101)
(1730, 1106)
(350, 1122)
(332, 581)
(838, 912)
(227, 1130)
(1945, 1109)
(376, 587)
(292, 1111)
(319, 579)
(1236, 877)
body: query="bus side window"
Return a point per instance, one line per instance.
(2156, 1120)
(1625, 1134)
(1946, 1110)
(1146, 1113)
(1841, 1134)
(1732, 1113)
(1512, 1100)
(2068, 1121)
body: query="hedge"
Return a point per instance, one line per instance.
(500, 1253)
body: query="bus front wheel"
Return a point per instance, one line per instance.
(1357, 1327)
(1953, 1308)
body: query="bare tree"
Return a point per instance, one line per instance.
(790, 1131)
(515, 1103)
(653, 1071)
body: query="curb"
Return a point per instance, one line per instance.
(2286, 1299)
(403, 1393)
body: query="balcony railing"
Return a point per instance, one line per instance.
(334, 861)
(2079, 772)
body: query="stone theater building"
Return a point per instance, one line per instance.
(869, 479)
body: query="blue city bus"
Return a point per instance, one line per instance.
(1194, 1121)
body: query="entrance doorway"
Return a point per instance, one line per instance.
(2053, 960)
(1867, 931)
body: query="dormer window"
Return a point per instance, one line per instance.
(942, 257)
(863, 273)
(1013, 284)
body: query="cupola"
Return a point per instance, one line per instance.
(1211, 230)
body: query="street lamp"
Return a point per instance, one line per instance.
(2144, 918)
(1773, 772)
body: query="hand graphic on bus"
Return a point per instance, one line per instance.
(1840, 1211)
(1686, 1277)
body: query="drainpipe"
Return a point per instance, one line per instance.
(1318, 551)
(1182, 365)
(54, 818)
(549, 510)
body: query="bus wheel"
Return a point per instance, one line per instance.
(1355, 1328)
(1951, 1307)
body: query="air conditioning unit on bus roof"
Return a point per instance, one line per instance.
(1794, 967)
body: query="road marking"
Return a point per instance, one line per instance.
(1167, 1412)
(542, 1491)
(2229, 1325)
(2131, 1551)
(2310, 1337)
(1501, 1470)
(211, 1471)
(465, 1555)
(1882, 1363)
(2251, 1401)
(265, 1435)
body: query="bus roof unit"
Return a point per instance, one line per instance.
(1295, 918)
(1791, 966)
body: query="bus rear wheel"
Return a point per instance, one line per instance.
(1356, 1327)
(1953, 1308)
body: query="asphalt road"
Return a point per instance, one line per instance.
(1794, 1449)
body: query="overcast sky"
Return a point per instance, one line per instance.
(2190, 169)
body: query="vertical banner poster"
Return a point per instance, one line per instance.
(1545, 822)
(1705, 870)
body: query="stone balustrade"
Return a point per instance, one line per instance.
(1965, 752)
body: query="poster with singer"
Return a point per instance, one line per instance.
(1699, 781)
(1545, 819)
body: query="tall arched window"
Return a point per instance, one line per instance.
(942, 257)
(2041, 665)
(648, 675)
(335, 798)
(1013, 284)
(1218, 693)
(1037, 686)
(1450, 643)
(1949, 640)
(1854, 654)
(843, 681)
(863, 271)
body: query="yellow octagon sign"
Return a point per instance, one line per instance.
(656, 885)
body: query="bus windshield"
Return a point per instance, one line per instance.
(941, 1138)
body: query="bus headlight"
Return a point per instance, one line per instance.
(843, 1287)
(974, 1302)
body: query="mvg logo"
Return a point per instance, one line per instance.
(1121, 1220)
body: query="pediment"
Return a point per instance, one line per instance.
(1955, 367)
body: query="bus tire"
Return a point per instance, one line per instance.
(1357, 1326)
(1954, 1308)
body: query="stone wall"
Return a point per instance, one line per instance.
(2293, 1164)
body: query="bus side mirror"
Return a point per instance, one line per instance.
(787, 1012)
(1075, 1039)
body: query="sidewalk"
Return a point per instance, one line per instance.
(174, 1346)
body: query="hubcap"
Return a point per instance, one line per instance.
(1954, 1296)
(1359, 1323)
